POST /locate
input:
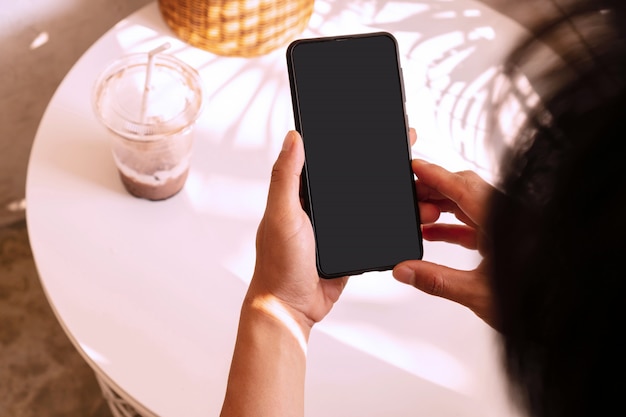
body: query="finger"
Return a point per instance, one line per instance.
(443, 204)
(412, 136)
(448, 206)
(284, 191)
(426, 192)
(459, 286)
(465, 188)
(429, 213)
(451, 233)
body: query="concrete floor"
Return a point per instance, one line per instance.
(41, 373)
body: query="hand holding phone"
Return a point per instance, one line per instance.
(357, 184)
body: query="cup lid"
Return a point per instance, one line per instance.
(171, 103)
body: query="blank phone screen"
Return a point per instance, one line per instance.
(358, 184)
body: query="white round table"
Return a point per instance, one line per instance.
(150, 292)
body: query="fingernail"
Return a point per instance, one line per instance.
(288, 142)
(404, 274)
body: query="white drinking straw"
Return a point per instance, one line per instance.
(146, 87)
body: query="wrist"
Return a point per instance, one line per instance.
(268, 369)
(267, 306)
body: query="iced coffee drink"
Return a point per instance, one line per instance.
(149, 103)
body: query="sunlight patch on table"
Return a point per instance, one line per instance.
(416, 357)
(131, 36)
(241, 263)
(226, 197)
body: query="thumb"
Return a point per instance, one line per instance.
(433, 279)
(284, 189)
(468, 288)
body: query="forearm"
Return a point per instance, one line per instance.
(268, 367)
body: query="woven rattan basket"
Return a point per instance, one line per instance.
(237, 27)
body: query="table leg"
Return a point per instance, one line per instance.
(119, 405)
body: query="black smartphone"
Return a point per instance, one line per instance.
(357, 184)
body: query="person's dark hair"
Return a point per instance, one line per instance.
(557, 230)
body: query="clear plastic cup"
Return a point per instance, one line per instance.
(151, 124)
